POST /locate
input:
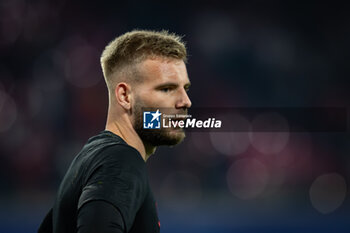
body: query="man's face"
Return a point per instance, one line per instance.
(164, 85)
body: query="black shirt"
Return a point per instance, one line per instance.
(107, 171)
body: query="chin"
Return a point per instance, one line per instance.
(176, 135)
(172, 137)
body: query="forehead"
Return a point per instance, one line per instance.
(161, 69)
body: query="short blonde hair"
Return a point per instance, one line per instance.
(136, 46)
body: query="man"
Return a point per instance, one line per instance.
(106, 188)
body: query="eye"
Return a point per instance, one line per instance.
(165, 89)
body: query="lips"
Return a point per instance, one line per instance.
(178, 119)
(175, 123)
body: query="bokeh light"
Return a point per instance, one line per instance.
(328, 192)
(11, 20)
(8, 111)
(247, 178)
(203, 153)
(270, 133)
(234, 142)
(81, 64)
(35, 100)
(210, 24)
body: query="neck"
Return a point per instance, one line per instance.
(126, 131)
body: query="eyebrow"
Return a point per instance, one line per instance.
(171, 84)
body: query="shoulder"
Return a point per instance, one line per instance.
(118, 177)
(113, 160)
(122, 154)
(107, 146)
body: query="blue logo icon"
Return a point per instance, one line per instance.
(151, 120)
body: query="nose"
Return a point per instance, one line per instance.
(184, 101)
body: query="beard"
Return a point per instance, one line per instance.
(154, 137)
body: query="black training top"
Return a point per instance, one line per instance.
(109, 171)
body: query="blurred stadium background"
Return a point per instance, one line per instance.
(288, 54)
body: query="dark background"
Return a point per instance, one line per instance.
(247, 54)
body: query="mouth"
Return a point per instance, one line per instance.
(178, 119)
(178, 123)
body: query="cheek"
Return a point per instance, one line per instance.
(156, 99)
(146, 100)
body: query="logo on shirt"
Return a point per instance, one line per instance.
(151, 120)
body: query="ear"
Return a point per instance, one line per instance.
(123, 95)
